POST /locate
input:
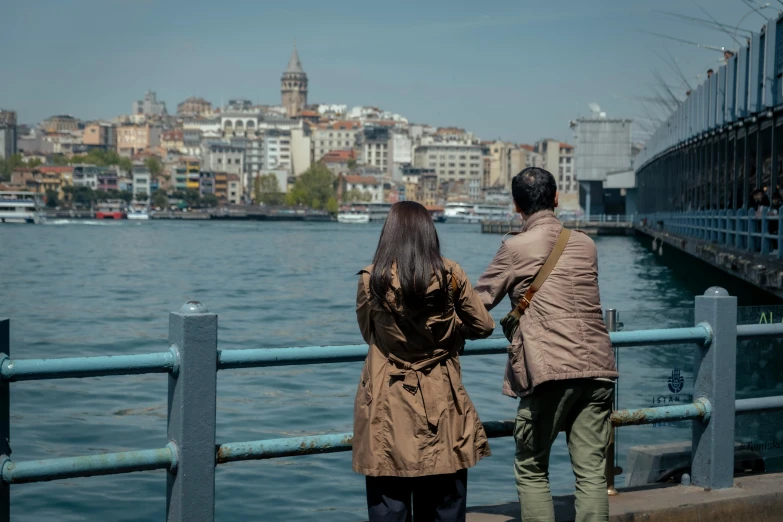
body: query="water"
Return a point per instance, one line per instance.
(99, 288)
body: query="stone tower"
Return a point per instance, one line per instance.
(293, 86)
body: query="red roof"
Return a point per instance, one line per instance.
(527, 147)
(55, 169)
(366, 180)
(232, 177)
(309, 113)
(338, 156)
(566, 145)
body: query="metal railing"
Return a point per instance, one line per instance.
(744, 229)
(191, 452)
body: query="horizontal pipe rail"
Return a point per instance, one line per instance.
(88, 466)
(746, 331)
(166, 458)
(38, 369)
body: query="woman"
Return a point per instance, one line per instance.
(415, 429)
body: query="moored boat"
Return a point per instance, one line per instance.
(353, 215)
(21, 207)
(111, 209)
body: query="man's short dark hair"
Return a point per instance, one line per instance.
(534, 190)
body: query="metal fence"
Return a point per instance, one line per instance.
(191, 452)
(757, 232)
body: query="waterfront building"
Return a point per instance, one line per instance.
(339, 161)
(191, 141)
(401, 149)
(368, 189)
(220, 184)
(234, 191)
(86, 176)
(558, 158)
(8, 134)
(179, 177)
(206, 182)
(108, 179)
(374, 147)
(132, 139)
(141, 182)
(293, 86)
(194, 107)
(603, 145)
(100, 134)
(419, 184)
(60, 123)
(193, 169)
(506, 160)
(454, 162)
(223, 157)
(149, 106)
(42, 178)
(277, 147)
(335, 135)
(301, 150)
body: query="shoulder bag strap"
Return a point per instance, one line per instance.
(543, 273)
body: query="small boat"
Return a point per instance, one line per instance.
(138, 213)
(21, 207)
(353, 215)
(438, 216)
(476, 212)
(111, 209)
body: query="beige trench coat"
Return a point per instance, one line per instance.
(562, 334)
(412, 415)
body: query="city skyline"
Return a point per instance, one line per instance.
(455, 67)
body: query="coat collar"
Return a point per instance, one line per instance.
(540, 218)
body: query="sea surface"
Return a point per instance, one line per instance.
(85, 288)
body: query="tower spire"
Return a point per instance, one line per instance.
(294, 65)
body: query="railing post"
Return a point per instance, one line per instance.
(5, 420)
(714, 377)
(190, 493)
(610, 318)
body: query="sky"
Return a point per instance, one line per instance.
(517, 70)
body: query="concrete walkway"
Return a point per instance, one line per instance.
(756, 498)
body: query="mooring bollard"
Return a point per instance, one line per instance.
(5, 420)
(190, 492)
(715, 378)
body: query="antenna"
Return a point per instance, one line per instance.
(703, 46)
(594, 108)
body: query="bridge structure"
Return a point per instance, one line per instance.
(191, 452)
(600, 225)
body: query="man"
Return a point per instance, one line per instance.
(561, 364)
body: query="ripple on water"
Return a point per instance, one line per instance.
(100, 290)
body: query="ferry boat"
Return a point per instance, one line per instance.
(476, 212)
(363, 212)
(21, 207)
(437, 213)
(353, 215)
(112, 209)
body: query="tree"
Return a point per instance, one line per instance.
(209, 200)
(266, 189)
(159, 199)
(35, 162)
(125, 195)
(141, 196)
(52, 199)
(83, 196)
(314, 188)
(8, 165)
(154, 165)
(125, 164)
(68, 192)
(102, 195)
(192, 198)
(351, 164)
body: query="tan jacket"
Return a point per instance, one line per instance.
(562, 334)
(412, 415)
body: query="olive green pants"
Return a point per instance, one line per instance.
(581, 408)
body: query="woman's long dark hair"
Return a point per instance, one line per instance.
(410, 242)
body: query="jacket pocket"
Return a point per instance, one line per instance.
(516, 370)
(526, 432)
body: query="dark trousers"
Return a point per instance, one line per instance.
(440, 498)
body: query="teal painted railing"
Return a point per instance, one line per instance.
(191, 363)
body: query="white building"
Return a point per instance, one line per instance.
(149, 106)
(367, 185)
(141, 182)
(301, 151)
(402, 148)
(277, 145)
